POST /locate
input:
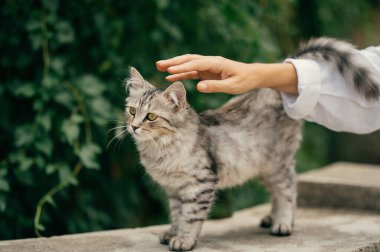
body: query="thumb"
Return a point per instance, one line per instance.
(213, 86)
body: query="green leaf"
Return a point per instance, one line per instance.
(87, 155)
(65, 99)
(51, 201)
(65, 175)
(90, 85)
(24, 135)
(65, 33)
(26, 90)
(40, 227)
(45, 145)
(50, 169)
(3, 204)
(44, 120)
(71, 130)
(101, 109)
(25, 164)
(3, 170)
(51, 81)
(58, 65)
(4, 185)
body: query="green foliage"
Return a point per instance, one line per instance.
(62, 65)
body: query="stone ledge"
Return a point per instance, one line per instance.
(341, 185)
(315, 230)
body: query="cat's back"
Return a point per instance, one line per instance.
(243, 108)
(246, 131)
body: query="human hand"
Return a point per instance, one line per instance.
(217, 74)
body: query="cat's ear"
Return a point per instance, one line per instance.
(176, 93)
(136, 81)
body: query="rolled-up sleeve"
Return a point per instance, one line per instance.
(326, 98)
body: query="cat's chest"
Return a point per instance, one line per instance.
(168, 171)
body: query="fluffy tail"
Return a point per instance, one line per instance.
(347, 59)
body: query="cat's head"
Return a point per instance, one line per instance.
(153, 113)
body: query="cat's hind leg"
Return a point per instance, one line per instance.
(282, 184)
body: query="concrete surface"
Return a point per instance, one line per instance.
(315, 230)
(341, 185)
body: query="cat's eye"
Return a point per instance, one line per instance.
(151, 116)
(132, 110)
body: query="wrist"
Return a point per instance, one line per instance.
(279, 76)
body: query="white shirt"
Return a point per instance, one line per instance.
(327, 99)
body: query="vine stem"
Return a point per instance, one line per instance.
(82, 108)
(49, 195)
(78, 167)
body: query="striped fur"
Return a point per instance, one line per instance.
(347, 59)
(193, 155)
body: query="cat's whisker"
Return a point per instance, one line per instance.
(120, 141)
(115, 137)
(117, 127)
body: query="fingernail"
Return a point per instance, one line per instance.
(202, 86)
(159, 62)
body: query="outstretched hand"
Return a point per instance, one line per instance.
(218, 74)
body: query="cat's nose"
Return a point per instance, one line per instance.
(134, 128)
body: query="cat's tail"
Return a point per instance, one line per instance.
(347, 59)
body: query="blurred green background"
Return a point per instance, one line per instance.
(61, 69)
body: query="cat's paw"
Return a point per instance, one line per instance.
(165, 237)
(281, 229)
(180, 244)
(266, 222)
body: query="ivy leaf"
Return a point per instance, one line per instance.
(65, 175)
(65, 33)
(3, 203)
(45, 145)
(24, 135)
(22, 162)
(50, 169)
(44, 120)
(4, 185)
(65, 99)
(87, 155)
(40, 227)
(71, 130)
(26, 90)
(51, 201)
(58, 65)
(90, 85)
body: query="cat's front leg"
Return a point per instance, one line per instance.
(194, 212)
(175, 212)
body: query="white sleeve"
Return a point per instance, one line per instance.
(327, 99)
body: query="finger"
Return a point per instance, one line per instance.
(163, 65)
(183, 76)
(215, 86)
(201, 64)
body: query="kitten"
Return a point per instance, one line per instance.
(193, 155)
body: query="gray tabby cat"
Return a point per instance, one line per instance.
(193, 155)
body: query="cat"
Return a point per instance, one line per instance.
(191, 155)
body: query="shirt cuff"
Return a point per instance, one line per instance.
(309, 88)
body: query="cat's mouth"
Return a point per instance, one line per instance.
(138, 131)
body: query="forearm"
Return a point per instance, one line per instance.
(279, 76)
